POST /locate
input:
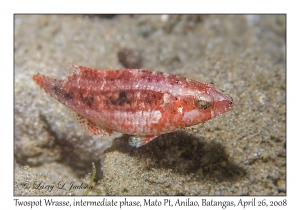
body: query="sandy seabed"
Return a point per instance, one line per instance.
(242, 152)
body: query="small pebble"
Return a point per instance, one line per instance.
(130, 58)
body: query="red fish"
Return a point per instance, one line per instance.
(138, 102)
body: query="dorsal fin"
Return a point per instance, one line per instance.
(61, 71)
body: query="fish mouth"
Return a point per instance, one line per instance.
(222, 103)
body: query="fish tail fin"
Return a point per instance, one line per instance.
(40, 79)
(48, 84)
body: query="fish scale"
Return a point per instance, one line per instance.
(137, 102)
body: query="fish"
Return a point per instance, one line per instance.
(141, 103)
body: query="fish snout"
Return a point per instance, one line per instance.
(222, 103)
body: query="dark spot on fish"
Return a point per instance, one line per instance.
(148, 100)
(56, 89)
(132, 100)
(122, 96)
(87, 100)
(68, 96)
(62, 93)
(121, 99)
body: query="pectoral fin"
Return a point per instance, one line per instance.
(138, 141)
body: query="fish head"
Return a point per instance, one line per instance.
(206, 103)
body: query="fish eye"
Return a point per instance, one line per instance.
(203, 101)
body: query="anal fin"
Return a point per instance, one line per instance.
(88, 125)
(138, 141)
(93, 128)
